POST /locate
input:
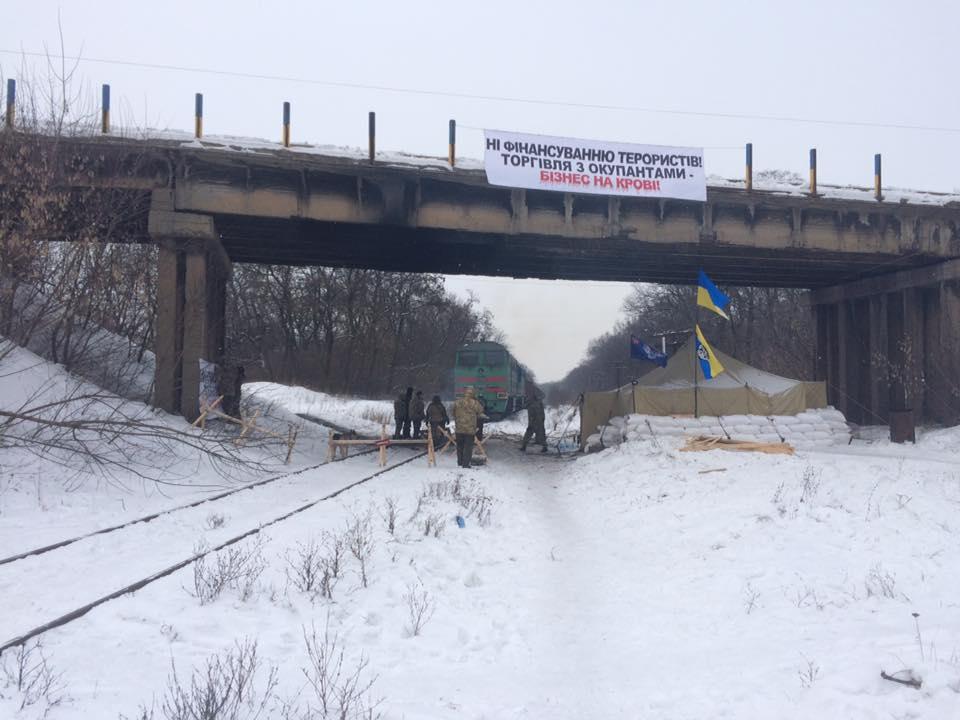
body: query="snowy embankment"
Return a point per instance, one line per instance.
(49, 491)
(364, 416)
(809, 429)
(635, 582)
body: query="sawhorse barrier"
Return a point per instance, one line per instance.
(383, 442)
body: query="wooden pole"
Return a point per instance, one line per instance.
(383, 446)
(431, 455)
(749, 170)
(286, 124)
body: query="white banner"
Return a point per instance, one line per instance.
(543, 162)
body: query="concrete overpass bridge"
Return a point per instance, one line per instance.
(884, 273)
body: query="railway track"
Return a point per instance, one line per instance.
(64, 618)
(168, 511)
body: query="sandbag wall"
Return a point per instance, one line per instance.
(811, 428)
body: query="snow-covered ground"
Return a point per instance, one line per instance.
(635, 582)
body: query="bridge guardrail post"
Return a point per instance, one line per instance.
(198, 116)
(813, 171)
(11, 115)
(877, 179)
(372, 135)
(105, 109)
(452, 148)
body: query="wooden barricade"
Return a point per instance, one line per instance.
(452, 442)
(246, 426)
(381, 443)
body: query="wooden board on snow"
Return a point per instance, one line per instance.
(706, 442)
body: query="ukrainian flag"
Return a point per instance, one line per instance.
(709, 363)
(710, 297)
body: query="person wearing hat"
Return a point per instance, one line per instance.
(467, 412)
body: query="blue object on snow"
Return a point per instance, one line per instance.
(461, 522)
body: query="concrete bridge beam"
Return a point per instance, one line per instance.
(193, 271)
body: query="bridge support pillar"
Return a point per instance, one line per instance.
(193, 270)
(892, 342)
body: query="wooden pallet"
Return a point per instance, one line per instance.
(705, 442)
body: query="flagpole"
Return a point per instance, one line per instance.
(696, 359)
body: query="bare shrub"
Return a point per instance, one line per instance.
(421, 500)
(420, 606)
(360, 542)
(811, 480)
(809, 673)
(881, 583)
(341, 692)
(390, 513)
(433, 524)
(215, 521)
(305, 567)
(237, 567)
(751, 595)
(224, 689)
(469, 495)
(336, 547)
(28, 672)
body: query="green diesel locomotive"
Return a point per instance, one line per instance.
(494, 373)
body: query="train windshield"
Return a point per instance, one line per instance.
(469, 359)
(493, 357)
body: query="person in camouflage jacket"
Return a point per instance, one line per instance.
(467, 411)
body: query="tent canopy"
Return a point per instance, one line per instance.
(739, 390)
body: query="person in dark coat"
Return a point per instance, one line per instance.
(536, 417)
(401, 415)
(438, 418)
(417, 414)
(406, 423)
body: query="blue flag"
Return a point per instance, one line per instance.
(709, 295)
(639, 350)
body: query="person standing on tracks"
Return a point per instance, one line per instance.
(483, 403)
(406, 423)
(401, 415)
(417, 414)
(536, 417)
(438, 418)
(467, 412)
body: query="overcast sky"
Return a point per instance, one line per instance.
(869, 61)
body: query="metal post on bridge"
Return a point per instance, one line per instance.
(11, 103)
(372, 135)
(452, 147)
(748, 178)
(877, 191)
(198, 116)
(813, 171)
(105, 110)
(286, 124)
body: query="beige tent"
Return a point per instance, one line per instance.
(739, 390)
